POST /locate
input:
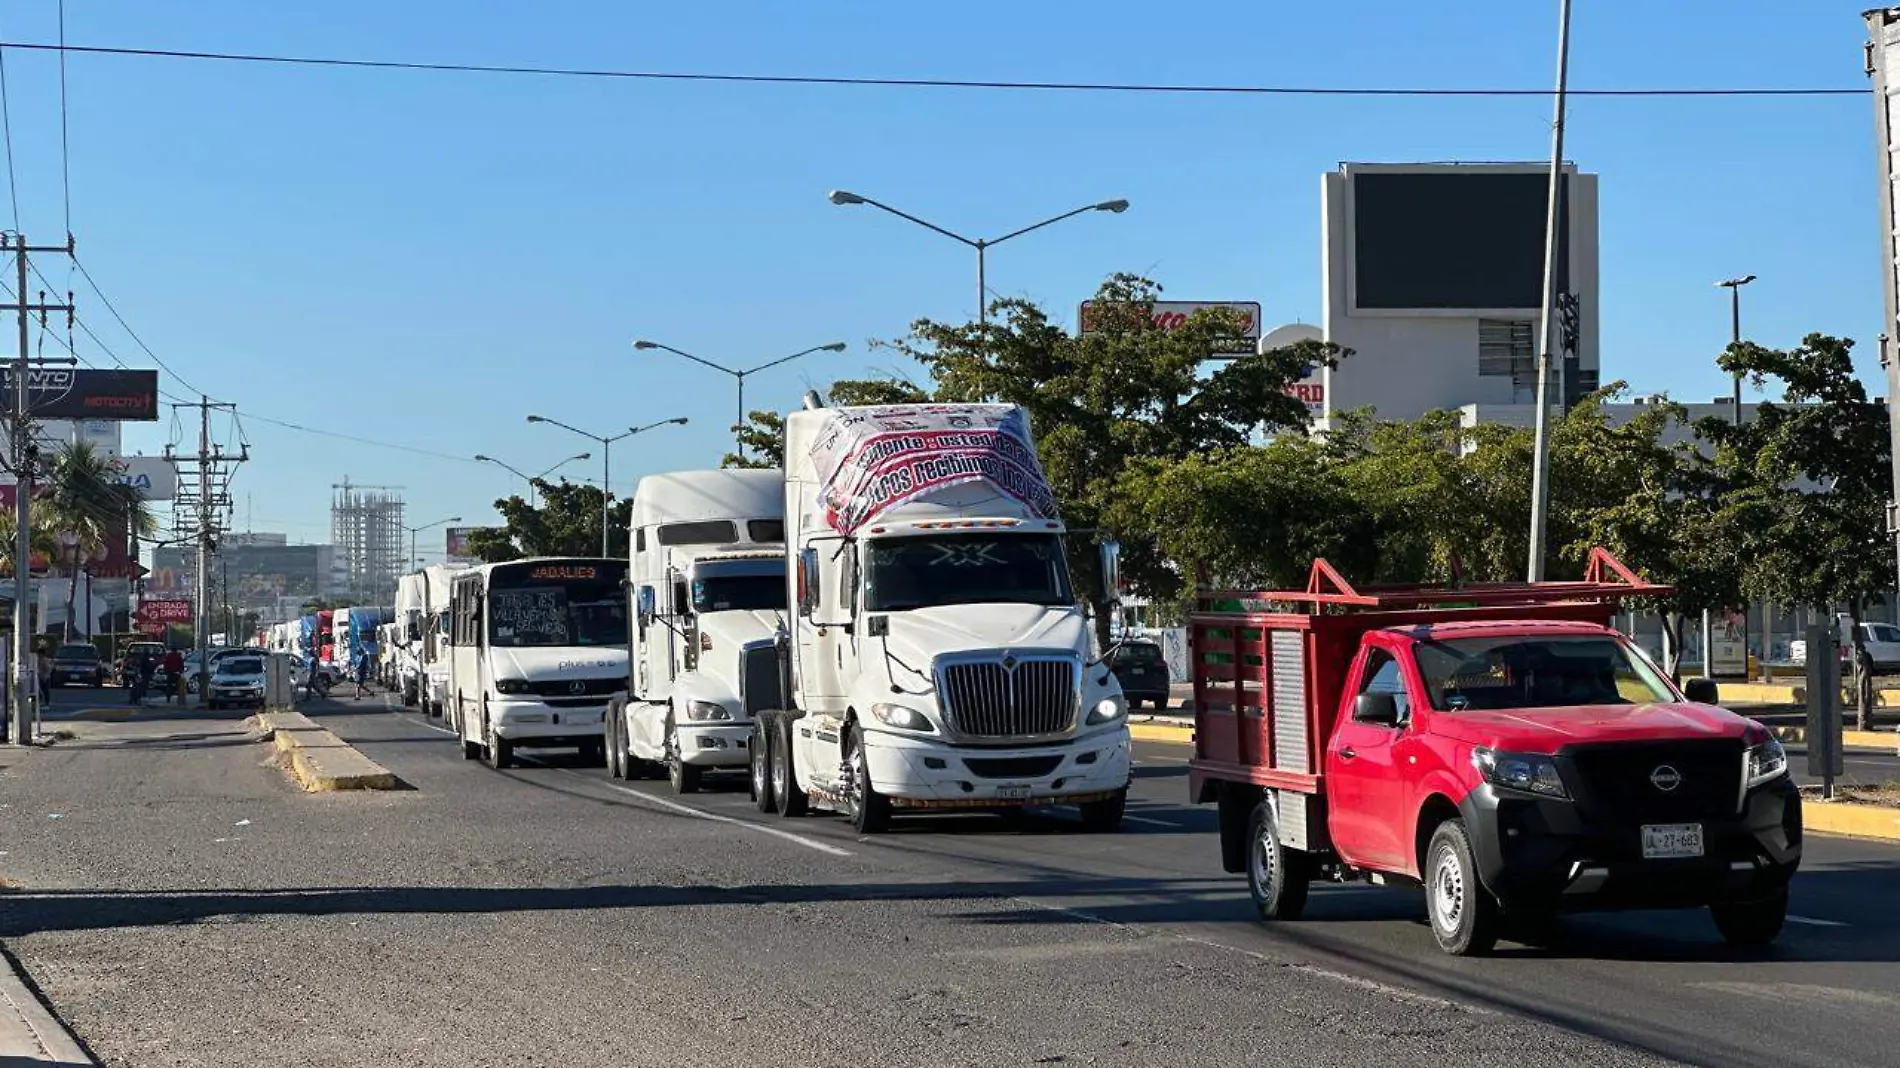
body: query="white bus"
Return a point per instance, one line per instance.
(538, 648)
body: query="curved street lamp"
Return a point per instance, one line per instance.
(844, 198)
(606, 459)
(835, 346)
(413, 531)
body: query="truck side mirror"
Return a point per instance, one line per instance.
(1111, 552)
(1701, 691)
(682, 598)
(1379, 709)
(643, 605)
(877, 626)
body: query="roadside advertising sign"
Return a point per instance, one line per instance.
(1310, 390)
(86, 393)
(870, 460)
(153, 476)
(1173, 314)
(456, 548)
(164, 612)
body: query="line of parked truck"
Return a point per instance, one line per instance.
(888, 626)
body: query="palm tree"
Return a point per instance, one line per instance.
(87, 504)
(42, 539)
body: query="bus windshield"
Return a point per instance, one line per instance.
(947, 569)
(543, 605)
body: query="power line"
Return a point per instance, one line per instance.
(6, 127)
(256, 418)
(908, 83)
(133, 334)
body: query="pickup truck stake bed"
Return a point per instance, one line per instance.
(1499, 745)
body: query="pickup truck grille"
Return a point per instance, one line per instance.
(988, 700)
(1616, 781)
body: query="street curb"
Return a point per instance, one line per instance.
(319, 761)
(1851, 741)
(1850, 819)
(1158, 729)
(53, 1045)
(1766, 693)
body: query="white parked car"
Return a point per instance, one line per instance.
(237, 680)
(1882, 640)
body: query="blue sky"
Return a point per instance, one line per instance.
(426, 258)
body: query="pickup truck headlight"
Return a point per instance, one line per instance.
(511, 685)
(1528, 772)
(706, 711)
(1766, 763)
(902, 718)
(1107, 710)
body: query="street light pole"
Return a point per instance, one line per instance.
(606, 456)
(1734, 287)
(740, 376)
(413, 531)
(1547, 325)
(844, 198)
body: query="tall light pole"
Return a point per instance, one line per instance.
(532, 479)
(1734, 287)
(1547, 315)
(606, 460)
(835, 346)
(981, 245)
(413, 531)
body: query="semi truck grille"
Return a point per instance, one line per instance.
(989, 700)
(1623, 782)
(759, 680)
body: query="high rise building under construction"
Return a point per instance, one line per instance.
(366, 526)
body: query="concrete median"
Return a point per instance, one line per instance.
(318, 760)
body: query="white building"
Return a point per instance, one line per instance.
(1433, 276)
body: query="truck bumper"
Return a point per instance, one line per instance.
(924, 773)
(706, 745)
(532, 723)
(1536, 854)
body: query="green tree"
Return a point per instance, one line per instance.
(763, 435)
(566, 523)
(88, 507)
(1807, 484)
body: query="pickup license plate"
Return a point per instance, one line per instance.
(1662, 840)
(1137, 671)
(1013, 792)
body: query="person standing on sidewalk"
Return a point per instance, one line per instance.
(43, 668)
(175, 675)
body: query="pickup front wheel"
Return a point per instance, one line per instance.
(1464, 915)
(1751, 924)
(1277, 877)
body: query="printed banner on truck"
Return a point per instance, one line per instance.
(870, 460)
(86, 393)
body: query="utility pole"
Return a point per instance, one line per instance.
(20, 456)
(1546, 319)
(212, 467)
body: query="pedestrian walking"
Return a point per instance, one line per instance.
(362, 672)
(43, 667)
(147, 667)
(175, 675)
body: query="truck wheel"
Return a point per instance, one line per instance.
(1463, 914)
(759, 751)
(1751, 924)
(870, 810)
(1101, 817)
(500, 752)
(616, 750)
(791, 800)
(1277, 877)
(684, 777)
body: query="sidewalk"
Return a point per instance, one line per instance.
(29, 1034)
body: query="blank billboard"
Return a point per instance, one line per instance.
(1447, 240)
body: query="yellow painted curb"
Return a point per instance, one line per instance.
(318, 760)
(1171, 733)
(1849, 818)
(1763, 693)
(1871, 741)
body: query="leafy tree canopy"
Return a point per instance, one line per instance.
(565, 523)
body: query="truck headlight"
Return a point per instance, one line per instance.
(1766, 763)
(902, 718)
(1528, 772)
(511, 685)
(706, 711)
(1108, 710)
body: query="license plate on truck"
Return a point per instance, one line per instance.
(1663, 840)
(1013, 792)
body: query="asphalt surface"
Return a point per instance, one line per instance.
(181, 904)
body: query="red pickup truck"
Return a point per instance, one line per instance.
(1501, 746)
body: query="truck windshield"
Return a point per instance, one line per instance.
(543, 605)
(728, 593)
(1536, 671)
(946, 569)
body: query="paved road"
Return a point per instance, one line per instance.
(188, 907)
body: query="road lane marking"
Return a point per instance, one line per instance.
(1813, 922)
(1145, 821)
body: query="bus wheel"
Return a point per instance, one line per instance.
(500, 752)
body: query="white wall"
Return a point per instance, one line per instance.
(1406, 364)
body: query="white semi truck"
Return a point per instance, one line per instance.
(708, 578)
(937, 657)
(403, 640)
(432, 651)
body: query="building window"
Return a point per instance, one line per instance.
(1504, 347)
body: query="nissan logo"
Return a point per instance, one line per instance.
(576, 686)
(1665, 778)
